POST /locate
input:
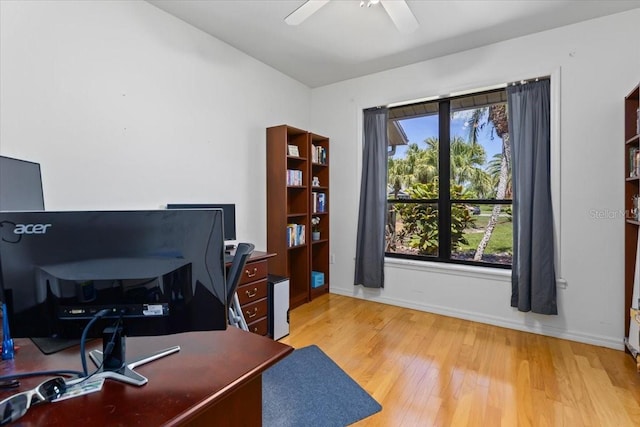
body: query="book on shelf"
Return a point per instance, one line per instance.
(634, 162)
(300, 240)
(290, 239)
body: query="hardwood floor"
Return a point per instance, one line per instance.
(431, 370)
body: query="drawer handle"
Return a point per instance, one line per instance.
(255, 271)
(255, 329)
(252, 315)
(251, 295)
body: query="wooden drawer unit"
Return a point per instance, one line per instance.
(253, 271)
(255, 310)
(260, 327)
(252, 294)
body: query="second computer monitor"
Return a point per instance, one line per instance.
(20, 185)
(228, 213)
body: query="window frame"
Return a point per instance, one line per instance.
(444, 200)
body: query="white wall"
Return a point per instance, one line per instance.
(598, 62)
(128, 107)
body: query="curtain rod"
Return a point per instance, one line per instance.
(378, 107)
(465, 92)
(524, 82)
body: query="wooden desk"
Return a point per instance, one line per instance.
(215, 379)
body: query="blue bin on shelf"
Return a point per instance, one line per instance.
(317, 279)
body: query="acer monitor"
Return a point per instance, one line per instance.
(155, 272)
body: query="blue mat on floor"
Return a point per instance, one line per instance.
(307, 388)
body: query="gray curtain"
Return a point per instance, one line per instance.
(373, 201)
(533, 279)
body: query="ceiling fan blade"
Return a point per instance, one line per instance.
(401, 15)
(304, 11)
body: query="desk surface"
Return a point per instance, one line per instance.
(254, 257)
(209, 367)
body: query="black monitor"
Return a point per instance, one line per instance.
(20, 185)
(229, 213)
(154, 272)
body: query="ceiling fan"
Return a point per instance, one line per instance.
(398, 11)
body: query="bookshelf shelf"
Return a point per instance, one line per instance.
(294, 204)
(297, 246)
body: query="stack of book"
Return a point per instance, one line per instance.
(634, 162)
(294, 177)
(295, 235)
(318, 154)
(318, 200)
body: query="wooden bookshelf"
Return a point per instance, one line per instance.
(293, 203)
(631, 190)
(320, 248)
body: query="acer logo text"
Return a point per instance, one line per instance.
(31, 228)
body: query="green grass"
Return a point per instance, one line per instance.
(501, 240)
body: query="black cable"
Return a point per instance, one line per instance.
(83, 338)
(107, 352)
(40, 374)
(68, 372)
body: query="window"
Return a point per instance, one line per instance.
(449, 181)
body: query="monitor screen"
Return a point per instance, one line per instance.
(160, 271)
(20, 185)
(229, 213)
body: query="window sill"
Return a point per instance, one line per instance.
(488, 273)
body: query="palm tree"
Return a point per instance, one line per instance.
(497, 115)
(466, 167)
(493, 169)
(420, 166)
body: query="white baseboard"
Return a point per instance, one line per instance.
(602, 341)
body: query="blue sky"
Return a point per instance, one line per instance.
(420, 128)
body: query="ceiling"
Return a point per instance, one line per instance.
(343, 40)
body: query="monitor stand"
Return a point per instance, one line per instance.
(115, 365)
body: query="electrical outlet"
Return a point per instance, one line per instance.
(332, 258)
